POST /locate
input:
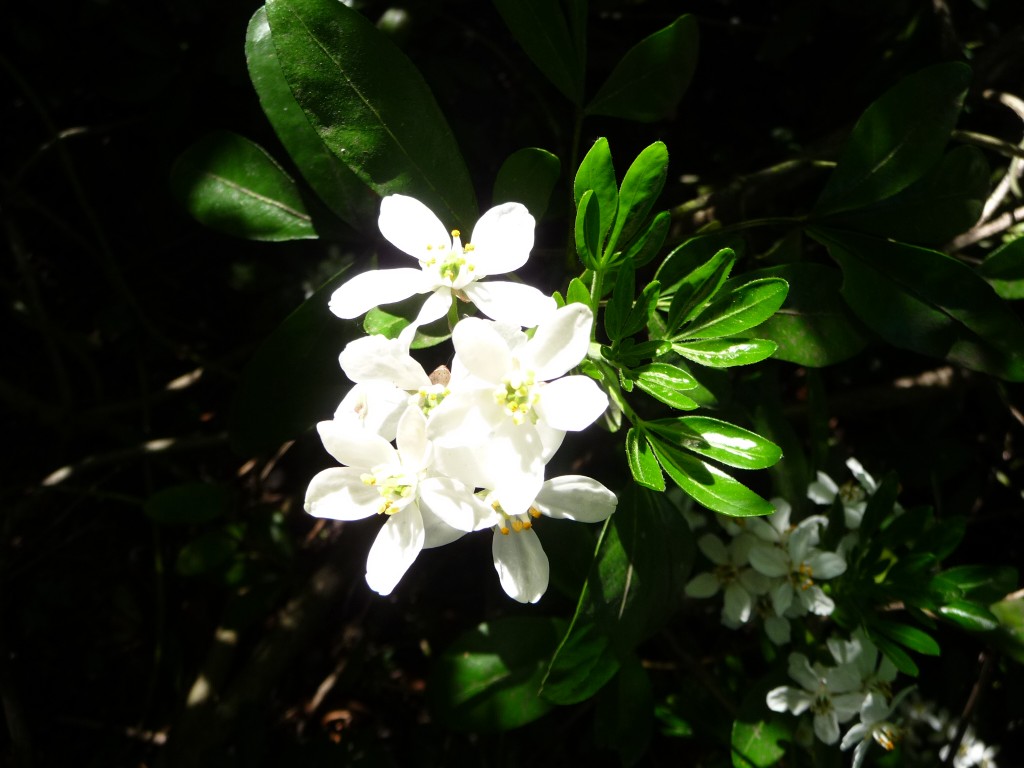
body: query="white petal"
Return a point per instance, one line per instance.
(503, 238)
(412, 439)
(454, 503)
(702, 585)
(866, 481)
(575, 497)
(816, 601)
(394, 550)
(847, 705)
(355, 447)
(378, 286)
(379, 360)
(571, 403)
(482, 349)
(437, 533)
(513, 303)
(800, 669)
(853, 736)
(514, 455)
(373, 407)
(788, 699)
(738, 604)
(826, 727)
(777, 629)
(713, 549)
(521, 564)
(769, 560)
(826, 565)
(339, 494)
(782, 597)
(434, 308)
(560, 342)
(823, 490)
(410, 226)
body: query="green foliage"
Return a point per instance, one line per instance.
(527, 176)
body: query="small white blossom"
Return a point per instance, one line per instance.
(501, 243)
(876, 725)
(852, 495)
(830, 693)
(732, 575)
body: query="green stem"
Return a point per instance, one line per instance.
(453, 314)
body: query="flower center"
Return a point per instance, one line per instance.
(428, 398)
(518, 396)
(851, 493)
(451, 265)
(805, 576)
(515, 523)
(397, 488)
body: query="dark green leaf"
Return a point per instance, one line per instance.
(188, 504)
(898, 138)
(708, 485)
(624, 716)
(729, 444)
(726, 353)
(642, 464)
(970, 615)
(293, 379)
(232, 185)
(744, 307)
(641, 311)
(344, 193)
(527, 177)
(931, 211)
(696, 289)
(900, 658)
(489, 679)
(907, 636)
(618, 306)
(693, 253)
(596, 172)
(652, 77)
(587, 230)
(640, 189)
(647, 244)
(1004, 269)
(371, 106)
(925, 301)
(813, 327)
(544, 34)
(880, 506)
(583, 663)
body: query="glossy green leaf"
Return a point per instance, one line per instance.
(588, 230)
(900, 658)
(649, 81)
(642, 463)
(581, 666)
(725, 353)
(693, 291)
(934, 209)
(742, 308)
(527, 176)
(970, 615)
(596, 172)
(617, 308)
(232, 185)
(925, 301)
(813, 327)
(489, 679)
(624, 715)
(708, 485)
(390, 322)
(729, 444)
(898, 139)
(577, 292)
(344, 193)
(691, 254)
(292, 380)
(1004, 269)
(759, 744)
(638, 193)
(668, 395)
(647, 244)
(667, 375)
(371, 106)
(188, 504)
(908, 636)
(544, 34)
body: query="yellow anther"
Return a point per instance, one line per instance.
(430, 247)
(468, 247)
(527, 524)
(504, 530)
(534, 512)
(368, 479)
(495, 506)
(456, 233)
(517, 525)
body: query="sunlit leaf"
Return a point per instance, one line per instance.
(1004, 269)
(596, 172)
(735, 311)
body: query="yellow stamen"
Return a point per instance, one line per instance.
(456, 233)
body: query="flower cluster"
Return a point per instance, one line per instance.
(471, 443)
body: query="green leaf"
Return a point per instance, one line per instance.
(729, 444)
(371, 106)
(528, 177)
(647, 244)
(927, 302)
(399, 315)
(621, 302)
(652, 77)
(696, 289)
(588, 230)
(709, 485)
(344, 193)
(293, 379)
(666, 375)
(188, 504)
(233, 186)
(693, 253)
(544, 34)
(907, 636)
(931, 211)
(581, 666)
(982, 583)
(738, 310)
(577, 292)
(813, 327)
(900, 658)
(639, 192)
(624, 716)
(642, 463)
(879, 506)
(489, 679)
(1004, 269)
(667, 395)
(596, 172)
(726, 353)
(1010, 636)
(759, 744)
(970, 615)
(898, 138)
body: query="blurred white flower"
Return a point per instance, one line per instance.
(731, 575)
(831, 694)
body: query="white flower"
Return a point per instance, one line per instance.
(519, 558)
(732, 574)
(422, 508)
(829, 693)
(515, 404)
(502, 240)
(972, 752)
(852, 495)
(875, 725)
(863, 654)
